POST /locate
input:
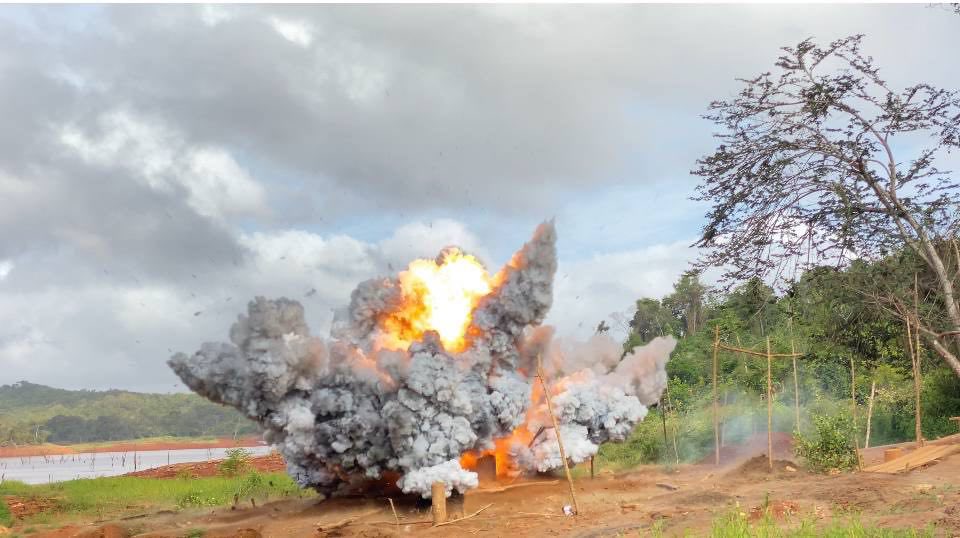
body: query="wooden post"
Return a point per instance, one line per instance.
(676, 452)
(917, 376)
(592, 474)
(487, 470)
(918, 431)
(769, 408)
(663, 420)
(716, 401)
(796, 386)
(873, 392)
(439, 493)
(556, 429)
(853, 401)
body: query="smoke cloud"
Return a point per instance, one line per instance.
(350, 408)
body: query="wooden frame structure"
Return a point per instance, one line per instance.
(717, 346)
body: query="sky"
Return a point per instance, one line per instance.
(160, 166)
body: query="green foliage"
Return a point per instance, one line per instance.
(236, 462)
(6, 518)
(114, 496)
(653, 319)
(735, 525)
(31, 413)
(822, 316)
(831, 447)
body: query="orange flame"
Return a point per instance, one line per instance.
(501, 452)
(438, 297)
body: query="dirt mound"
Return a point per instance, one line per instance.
(264, 464)
(758, 465)
(22, 507)
(753, 446)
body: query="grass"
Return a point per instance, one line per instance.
(6, 518)
(736, 525)
(113, 496)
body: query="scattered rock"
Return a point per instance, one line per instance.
(923, 488)
(790, 469)
(665, 485)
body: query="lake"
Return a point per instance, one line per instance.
(45, 469)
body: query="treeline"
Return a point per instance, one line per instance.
(31, 413)
(826, 315)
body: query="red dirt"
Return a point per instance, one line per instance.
(21, 507)
(127, 446)
(610, 505)
(778, 510)
(34, 450)
(265, 464)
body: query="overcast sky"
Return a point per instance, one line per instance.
(160, 166)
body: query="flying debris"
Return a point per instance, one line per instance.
(425, 372)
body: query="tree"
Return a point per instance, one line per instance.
(809, 170)
(686, 301)
(652, 319)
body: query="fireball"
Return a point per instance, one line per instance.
(438, 295)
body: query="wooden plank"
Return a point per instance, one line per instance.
(912, 460)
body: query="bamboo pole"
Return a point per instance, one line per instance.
(757, 353)
(916, 388)
(796, 387)
(663, 419)
(556, 429)
(853, 401)
(873, 393)
(439, 493)
(673, 412)
(769, 408)
(918, 384)
(716, 401)
(796, 382)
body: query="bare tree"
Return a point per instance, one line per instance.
(809, 168)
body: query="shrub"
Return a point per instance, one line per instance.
(237, 461)
(831, 446)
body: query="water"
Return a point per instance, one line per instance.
(44, 469)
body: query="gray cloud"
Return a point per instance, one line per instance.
(160, 161)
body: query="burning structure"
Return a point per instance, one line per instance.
(424, 373)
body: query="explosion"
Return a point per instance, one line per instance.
(424, 373)
(437, 296)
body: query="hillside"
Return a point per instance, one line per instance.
(32, 413)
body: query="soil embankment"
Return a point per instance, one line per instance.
(47, 449)
(265, 464)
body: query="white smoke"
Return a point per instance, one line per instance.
(345, 409)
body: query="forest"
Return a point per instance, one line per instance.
(826, 316)
(35, 413)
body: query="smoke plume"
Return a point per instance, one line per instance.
(365, 402)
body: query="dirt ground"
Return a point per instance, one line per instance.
(684, 501)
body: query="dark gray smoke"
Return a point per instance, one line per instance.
(346, 409)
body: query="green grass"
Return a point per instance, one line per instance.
(6, 518)
(113, 496)
(735, 525)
